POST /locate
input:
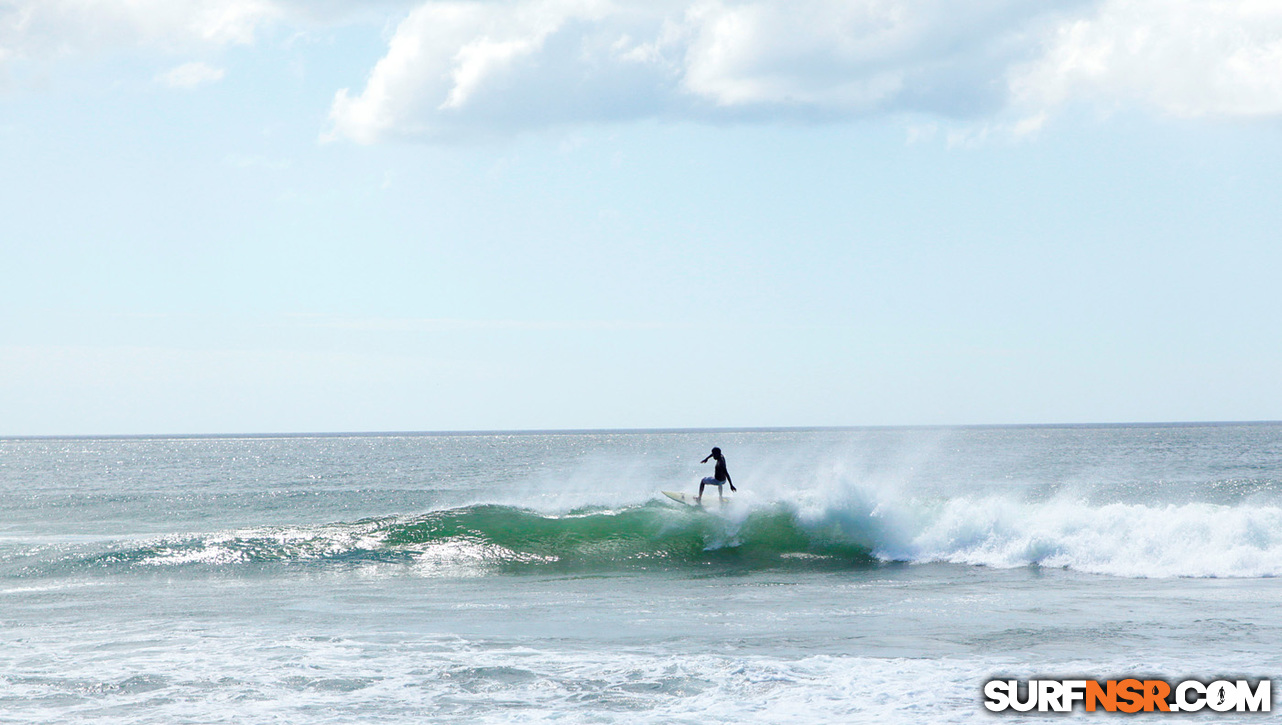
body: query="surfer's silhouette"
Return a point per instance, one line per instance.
(719, 477)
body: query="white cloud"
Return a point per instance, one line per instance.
(472, 66)
(44, 29)
(190, 75)
(456, 63)
(464, 67)
(848, 56)
(458, 68)
(1187, 58)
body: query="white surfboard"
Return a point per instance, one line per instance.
(688, 500)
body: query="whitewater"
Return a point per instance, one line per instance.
(864, 575)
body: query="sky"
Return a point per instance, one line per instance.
(258, 216)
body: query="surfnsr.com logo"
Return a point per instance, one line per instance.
(1127, 695)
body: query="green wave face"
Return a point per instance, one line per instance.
(504, 539)
(638, 536)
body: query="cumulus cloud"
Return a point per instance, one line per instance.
(457, 68)
(476, 66)
(460, 67)
(1190, 58)
(190, 75)
(852, 56)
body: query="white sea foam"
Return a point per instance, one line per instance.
(1130, 539)
(308, 679)
(1133, 540)
(903, 520)
(337, 681)
(1120, 539)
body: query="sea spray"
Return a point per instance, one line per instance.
(1120, 539)
(1130, 540)
(505, 539)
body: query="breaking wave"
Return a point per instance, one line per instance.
(1119, 539)
(494, 538)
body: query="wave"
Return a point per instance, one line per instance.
(1130, 540)
(1136, 540)
(495, 538)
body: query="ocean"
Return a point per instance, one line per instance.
(861, 575)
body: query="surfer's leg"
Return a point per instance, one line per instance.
(699, 498)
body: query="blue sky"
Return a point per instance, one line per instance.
(270, 216)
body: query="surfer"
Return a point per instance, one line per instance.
(719, 477)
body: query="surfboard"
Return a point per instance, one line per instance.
(688, 500)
